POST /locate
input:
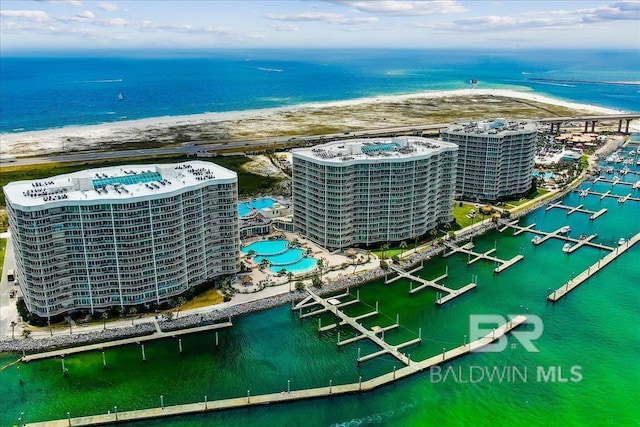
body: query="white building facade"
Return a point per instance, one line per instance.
(495, 158)
(364, 192)
(122, 236)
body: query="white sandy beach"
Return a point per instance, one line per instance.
(93, 136)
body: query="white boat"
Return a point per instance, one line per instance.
(565, 230)
(536, 240)
(638, 163)
(566, 247)
(632, 153)
(636, 186)
(120, 96)
(622, 241)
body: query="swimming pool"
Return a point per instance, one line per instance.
(281, 256)
(263, 202)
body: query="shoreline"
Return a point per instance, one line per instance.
(91, 136)
(207, 316)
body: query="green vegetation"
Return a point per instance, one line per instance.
(538, 193)
(460, 215)
(3, 246)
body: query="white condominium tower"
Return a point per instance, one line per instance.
(122, 236)
(368, 191)
(495, 158)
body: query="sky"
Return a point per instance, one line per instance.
(507, 24)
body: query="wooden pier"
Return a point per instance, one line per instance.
(573, 209)
(290, 395)
(134, 340)
(591, 270)
(451, 293)
(466, 249)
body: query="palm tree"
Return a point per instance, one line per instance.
(320, 266)
(26, 333)
(265, 263)
(289, 275)
(132, 313)
(181, 302)
(384, 248)
(403, 246)
(13, 326)
(415, 242)
(105, 316)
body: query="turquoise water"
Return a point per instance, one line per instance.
(593, 328)
(281, 257)
(245, 207)
(267, 247)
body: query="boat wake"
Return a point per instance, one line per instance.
(270, 70)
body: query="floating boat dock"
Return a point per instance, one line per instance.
(467, 249)
(545, 235)
(608, 194)
(573, 209)
(134, 340)
(451, 293)
(289, 395)
(591, 270)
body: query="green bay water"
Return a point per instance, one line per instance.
(594, 328)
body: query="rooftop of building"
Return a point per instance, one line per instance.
(402, 147)
(498, 127)
(115, 183)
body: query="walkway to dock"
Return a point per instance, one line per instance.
(289, 395)
(591, 270)
(545, 235)
(134, 340)
(466, 249)
(451, 293)
(573, 209)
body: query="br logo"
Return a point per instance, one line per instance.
(482, 325)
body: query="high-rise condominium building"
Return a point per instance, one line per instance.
(368, 191)
(122, 236)
(495, 158)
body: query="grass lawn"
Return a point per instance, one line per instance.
(539, 193)
(207, 298)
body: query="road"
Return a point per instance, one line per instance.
(203, 148)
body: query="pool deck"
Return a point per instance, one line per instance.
(289, 395)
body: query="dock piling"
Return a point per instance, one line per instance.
(144, 357)
(443, 352)
(394, 372)
(289, 386)
(248, 396)
(205, 402)
(330, 386)
(161, 402)
(69, 417)
(216, 338)
(104, 361)
(360, 383)
(464, 340)
(180, 345)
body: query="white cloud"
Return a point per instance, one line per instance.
(405, 8)
(87, 14)
(618, 11)
(285, 27)
(305, 16)
(330, 18)
(75, 3)
(108, 7)
(29, 15)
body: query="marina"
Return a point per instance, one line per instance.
(290, 395)
(467, 249)
(573, 209)
(450, 293)
(592, 269)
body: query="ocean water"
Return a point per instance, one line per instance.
(43, 92)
